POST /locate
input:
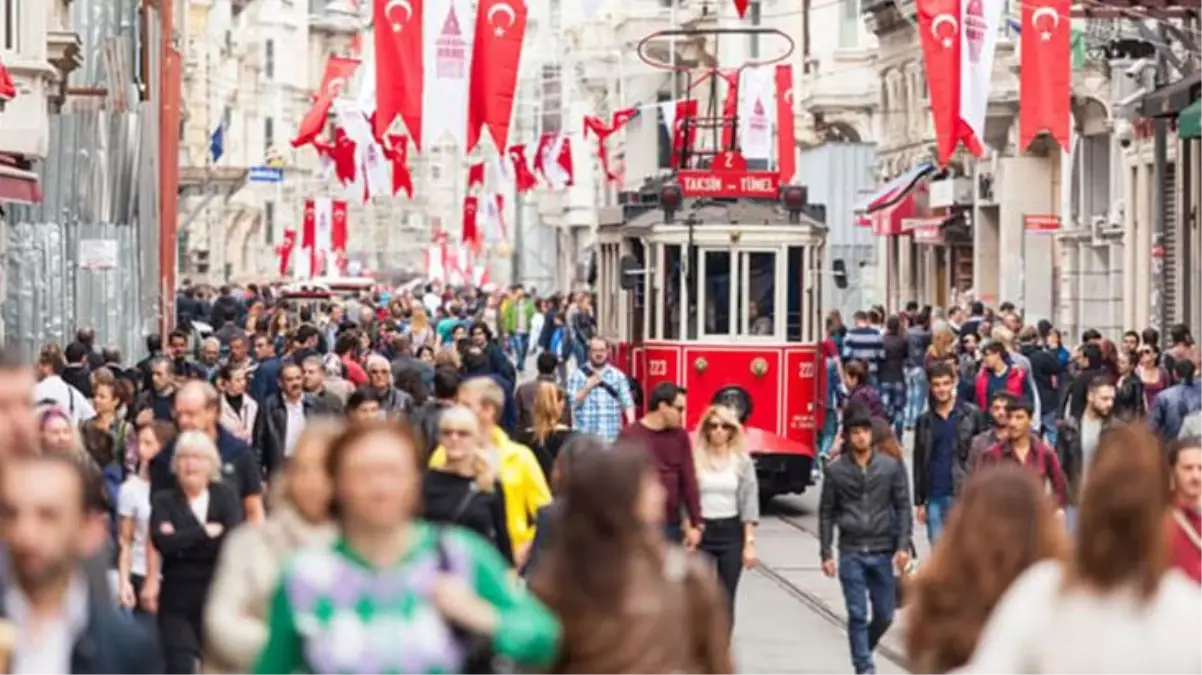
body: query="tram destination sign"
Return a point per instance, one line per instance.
(747, 184)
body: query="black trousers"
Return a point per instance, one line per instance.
(723, 543)
(180, 637)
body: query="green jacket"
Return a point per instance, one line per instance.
(509, 314)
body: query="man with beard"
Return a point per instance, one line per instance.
(599, 394)
(282, 419)
(1185, 463)
(57, 608)
(991, 436)
(1078, 438)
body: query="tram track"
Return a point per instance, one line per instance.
(814, 602)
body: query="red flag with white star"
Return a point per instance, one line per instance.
(500, 29)
(1045, 79)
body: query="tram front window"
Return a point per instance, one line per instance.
(672, 287)
(759, 288)
(717, 292)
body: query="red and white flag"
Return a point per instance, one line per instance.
(493, 207)
(980, 21)
(8, 90)
(397, 153)
(554, 160)
(471, 232)
(1045, 79)
(939, 29)
(449, 27)
(730, 107)
(338, 236)
(475, 175)
(283, 251)
(786, 141)
(371, 176)
(523, 178)
(500, 30)
(757, 112)
(308, 242)
(400, 67)
(338, 73)
(683, 112)
(602, 131)
(321, 252)
(741, 7)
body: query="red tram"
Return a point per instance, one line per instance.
(702, 285)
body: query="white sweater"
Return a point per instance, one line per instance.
(1037, 628)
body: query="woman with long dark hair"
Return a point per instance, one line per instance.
(546, 522)
(546, 433)
(1003, 524)
(629, 601)
(1114, 606)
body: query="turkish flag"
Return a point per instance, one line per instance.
(284, 251)
(338, 73)
(786, 141)
(475, 175)
(308, 242)
(730, 108)
(338, 235)
(685, 111)
(471, 235)
(603, 131)
(939, 31)
(523, 178)
(500, 29)
(741, 7)
(399, 66)
(1045, 78)
(342, 152)
(397, 153)
(8, 90)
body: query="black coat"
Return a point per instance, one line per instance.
(972, 422)
(189, 554)
(271, 428)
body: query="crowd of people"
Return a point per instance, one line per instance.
(373, 486)
(1042, 477)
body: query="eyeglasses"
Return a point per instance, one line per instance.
(458, 433)
(713, 426)
(379, 371)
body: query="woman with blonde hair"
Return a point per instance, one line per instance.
(1115, 605)
(188, 524)
(942, 348)
(547, 433)
(250, 565)
(465, 490)
(1003, 524)
(421, 333)
(729, 497)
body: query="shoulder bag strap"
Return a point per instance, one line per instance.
(464, 503)
(1194, 536)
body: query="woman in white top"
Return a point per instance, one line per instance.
(133, 513)
(729, 497)
(238, 411)
(1115, 606)
(250, 565)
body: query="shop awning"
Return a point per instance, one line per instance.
(19, 186)
(1171, 99)
(884, 209)
(1189, 122)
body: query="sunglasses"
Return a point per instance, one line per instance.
(719, 425)
(458, 433)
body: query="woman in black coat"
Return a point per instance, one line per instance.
(188, 524)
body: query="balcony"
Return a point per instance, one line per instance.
(886, 16)
(843, 83)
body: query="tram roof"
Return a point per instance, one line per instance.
(743, 212)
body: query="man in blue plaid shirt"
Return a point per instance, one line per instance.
(600, 395)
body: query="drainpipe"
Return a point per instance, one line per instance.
(1156, 309)
(169, 121)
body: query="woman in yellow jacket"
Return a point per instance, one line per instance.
(521, 477)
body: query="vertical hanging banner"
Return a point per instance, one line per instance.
(730, 108)
(786, 140)
(338, 236)
(981, 21)
(1045, 79)
(471, 231)
(400, 65)
(322, 253)
(683, 112)
(283, 251)
(308, 242)
(939, 33)
(756, 113)
(449, 33)
(337, 74)
(500, 30)
(397, 153)
(523, 178)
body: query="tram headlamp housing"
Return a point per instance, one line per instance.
(737, 399)
(670, 199)
(793, 198)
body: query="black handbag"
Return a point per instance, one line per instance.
(479, 657)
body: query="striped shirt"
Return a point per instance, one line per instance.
(866, 344)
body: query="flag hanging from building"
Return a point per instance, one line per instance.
(980, 23)
(523, 178)
(449, 29)
(338, 73)
(217, 142)
(1045, 79)
(400, 66)
(283, 251)
(786, 141)
(757, 113)
(939, 32)
(500, 31)
(602, 131)
(8, 90)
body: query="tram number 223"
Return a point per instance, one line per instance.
(657, 368)
(805, 370)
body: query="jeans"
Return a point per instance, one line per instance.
(916, 394)
(893, 396)
(867, 578)
(1051, 427)
(519, 343)
(723, 543)
(937, 512)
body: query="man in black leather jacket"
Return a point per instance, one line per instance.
(865, 496)
(271, 425)
(942, 443)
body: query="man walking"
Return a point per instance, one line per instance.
(866, 497)
(600, 394)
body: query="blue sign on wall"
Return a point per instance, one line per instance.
(265, 174)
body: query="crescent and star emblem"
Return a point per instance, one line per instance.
(336, 86)
(398, 24)
(1045, 34)
(501, 8)
(789, 96)
(946, 40)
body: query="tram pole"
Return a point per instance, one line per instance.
(1156, 308)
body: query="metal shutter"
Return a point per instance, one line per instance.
(1172, 237)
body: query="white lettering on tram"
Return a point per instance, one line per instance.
(755, 184)
(703, 183)
(657, 368)
(805, 370)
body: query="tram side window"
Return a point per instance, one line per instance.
(717, 292)
(760, 292)
(671, 305)
(794, 278)
(639, 295)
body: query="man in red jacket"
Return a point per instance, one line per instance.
(1185, 462)
(997, 374)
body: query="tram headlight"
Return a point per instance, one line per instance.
(670, 199)
(793, 198)
(737, 399)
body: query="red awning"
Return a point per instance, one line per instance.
(19, 186)
(885, 208)
(8, 90)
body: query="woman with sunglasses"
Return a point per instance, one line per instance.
(465, 490)
(1152, 375)
(729, 497)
